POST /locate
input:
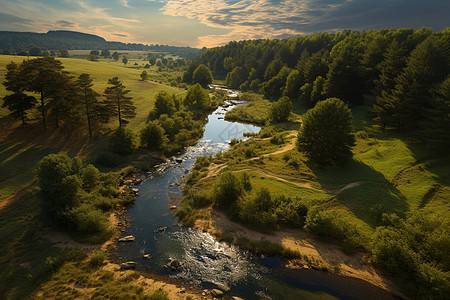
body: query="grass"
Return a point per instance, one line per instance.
(388, 174)
(21, 149)
(29, 261)
(256, 112)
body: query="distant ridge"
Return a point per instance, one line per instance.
(73, 40)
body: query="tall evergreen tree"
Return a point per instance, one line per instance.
(117, 99)
(39, 76)
(89, 97)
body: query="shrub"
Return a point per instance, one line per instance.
(324, 223)
(90, 177)
(97, 258)
(87, 219)
(153, 136)
(157, 295)
(123, 141)
(227, 189)
(245, 179)
(59, 183)
(280, 110)
(277, 139)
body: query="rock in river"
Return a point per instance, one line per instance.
(128, 238)
(128, 265)
(217, 293)
(161, 229)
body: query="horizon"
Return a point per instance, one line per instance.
(210, 23)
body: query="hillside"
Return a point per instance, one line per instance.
(72, 40)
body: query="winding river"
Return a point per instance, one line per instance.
(206, 262)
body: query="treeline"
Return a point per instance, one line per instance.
(67, 100)
(23, 41)
(403, 74)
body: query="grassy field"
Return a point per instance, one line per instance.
(389, 173)
(29, 260)
(21, 149)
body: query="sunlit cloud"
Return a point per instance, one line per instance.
(275, 18)
(216, 22)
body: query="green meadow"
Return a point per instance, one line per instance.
(21, 149)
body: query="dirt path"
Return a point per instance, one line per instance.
(318, 253)
(304, 184)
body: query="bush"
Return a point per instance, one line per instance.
(90, 177)
(280, 110)
(59, 183)
(277, 139)
(153, 136)
(324, 223)
(123, 141)
(157, 295)
(97, 258)
(88, 220)
(227, 189)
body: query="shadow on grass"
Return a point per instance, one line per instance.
(18, 161)
(363, 190)
(23, 263)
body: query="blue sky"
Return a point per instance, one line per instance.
(210, 23)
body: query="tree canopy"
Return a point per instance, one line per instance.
(325, 135)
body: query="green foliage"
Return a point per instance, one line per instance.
(144, 75)
(202, 75)
(153, 136)
(331, 120)
(118, 101)
(90, 177)
(262, 208)
(277, 139)
(58, 183)
(164, 104)
(92, 57)
(18, 104)
(97, 258)
(273, 88)
(159, 294)
(227, 189)
(123, 141)
(280, 110)
(197, 98)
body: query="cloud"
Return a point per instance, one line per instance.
(276, 18)
(14, 23)
(63, 23)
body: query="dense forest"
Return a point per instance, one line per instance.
(71, 40)
(403, 74)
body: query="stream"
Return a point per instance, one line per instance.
(206, 262)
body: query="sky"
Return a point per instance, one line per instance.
(210, 23)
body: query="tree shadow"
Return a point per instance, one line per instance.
(361, 189)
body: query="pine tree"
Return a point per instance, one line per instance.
(117, 99)
(92, 106)
(40, 75)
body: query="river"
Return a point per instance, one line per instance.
(206, 262)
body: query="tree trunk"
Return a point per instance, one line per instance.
(120, 116)
(88, 114)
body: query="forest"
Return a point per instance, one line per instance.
(403, 74)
